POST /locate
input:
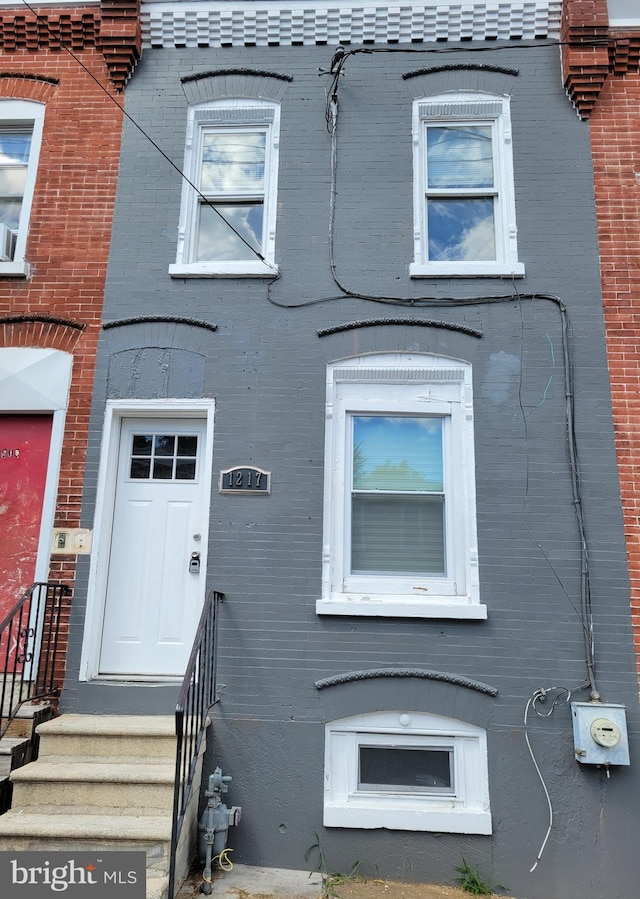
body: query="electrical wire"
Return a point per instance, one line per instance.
(148, 137)
(540, 695)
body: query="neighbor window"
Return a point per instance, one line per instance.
(20, 139)
(406, 771)
(463, 187)
(400, 529)
(228, 212)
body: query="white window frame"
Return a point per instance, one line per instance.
(229, 114)
(472, 109)
(23, 113)
(400, 383)
(464, 809)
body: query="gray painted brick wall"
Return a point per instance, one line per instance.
(265, 366)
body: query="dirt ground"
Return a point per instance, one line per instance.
(366, 889)
(386, 889)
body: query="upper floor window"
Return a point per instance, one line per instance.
(227, 224)
(400, 525)
(464, 205)
(21, 124)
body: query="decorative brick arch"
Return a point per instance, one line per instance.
(39, 331)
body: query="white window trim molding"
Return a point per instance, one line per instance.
(465, 810)
(115, 413)
(23, 112)
(428, 384)
(477, 108)
(230, 112)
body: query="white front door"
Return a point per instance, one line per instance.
(157, 563)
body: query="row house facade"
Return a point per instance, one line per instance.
(351, 373)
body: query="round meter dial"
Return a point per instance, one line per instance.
(605, 732)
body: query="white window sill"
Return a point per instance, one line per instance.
(466, 270)
(445, 820)
(223, 270)
(14, 270)
(404, 607)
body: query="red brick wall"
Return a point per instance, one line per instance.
(68, 242)
(615, 139)
(602, 78)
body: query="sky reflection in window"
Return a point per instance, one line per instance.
(397, 453)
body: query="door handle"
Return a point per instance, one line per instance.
(194, 563)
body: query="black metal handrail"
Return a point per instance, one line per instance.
(197, 696)
(29, 649)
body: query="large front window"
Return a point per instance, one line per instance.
(399, 520)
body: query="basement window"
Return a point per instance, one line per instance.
(406, 771)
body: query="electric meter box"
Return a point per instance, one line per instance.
(600, 733)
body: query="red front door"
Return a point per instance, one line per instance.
(24, 456)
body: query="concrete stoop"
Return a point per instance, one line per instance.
(19, 745)
(100, 783)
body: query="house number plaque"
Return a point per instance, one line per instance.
(245, 479)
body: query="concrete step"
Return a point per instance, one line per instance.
(101, 783)
(21, 830)
(137, 788)
(92, 736)
(157, 886)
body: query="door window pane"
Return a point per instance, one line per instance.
(185, 469)
(163, 445)
(142, 444)
(187, 446)
(162, 469)
(163, 457)
(140, 469)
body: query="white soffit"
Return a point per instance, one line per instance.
(229, 23)
(34, 380)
